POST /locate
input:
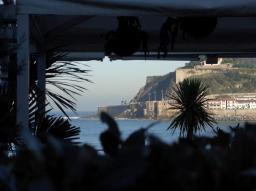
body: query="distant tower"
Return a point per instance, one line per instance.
(149, 96)
(155, 95)
(162, 92)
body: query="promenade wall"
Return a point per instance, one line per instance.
(234, 114)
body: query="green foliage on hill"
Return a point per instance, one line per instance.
(241, 62)
(241, 78)
(231, 81)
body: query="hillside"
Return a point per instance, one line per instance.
(239, 78)
(154, 87)
(232, 81)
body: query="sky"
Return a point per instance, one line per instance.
(118, 80)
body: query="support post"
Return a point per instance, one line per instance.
(41, 65)
(22, 118)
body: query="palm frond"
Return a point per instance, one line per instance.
(189, 98)
(59, 128)
(65, 76)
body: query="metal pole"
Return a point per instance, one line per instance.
(41, 65)
(22, 109)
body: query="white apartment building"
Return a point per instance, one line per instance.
(216, 104)
(232, 103)
(242, 104)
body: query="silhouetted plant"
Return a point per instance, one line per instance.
(63, 76)
(195, 27)
(127, 38)
(189, 99)
(57, 127)
(60, 75)
(142, 162)
(110, 138)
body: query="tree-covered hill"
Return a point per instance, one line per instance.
(239, 78)
(232, 81)
(241, 62)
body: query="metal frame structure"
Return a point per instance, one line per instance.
(82, 24)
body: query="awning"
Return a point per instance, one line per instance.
(139, 7)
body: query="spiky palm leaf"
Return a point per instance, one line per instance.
(59, 128)
(65, 76)
(189, 99)
(62, 80)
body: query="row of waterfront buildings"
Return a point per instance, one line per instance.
(162, 109)
(219, 105)
(232, 102)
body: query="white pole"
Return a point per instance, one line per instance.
(22, 71)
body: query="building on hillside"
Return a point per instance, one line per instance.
(230, 103)
(216, 104)
(151, 108)
(158, 109)
(162, 109)
(211, 61)
(252, 104)
(242, 104)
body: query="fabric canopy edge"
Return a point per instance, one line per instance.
(232, 8)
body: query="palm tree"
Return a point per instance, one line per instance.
(189, 98)
(61, 75)
(65, 77)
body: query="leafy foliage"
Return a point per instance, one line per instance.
(62, 76)
(65, 77)
(127, 38)
(142, 162)
(56, 74)
(58, 128)
(237, 81)
(111, 138)
(240, 62)
(195, 27)
(189, 98)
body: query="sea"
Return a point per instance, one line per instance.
(91, 128)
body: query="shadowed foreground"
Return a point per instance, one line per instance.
(224, 162)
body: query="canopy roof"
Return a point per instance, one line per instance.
(80, 26)
(140, 7)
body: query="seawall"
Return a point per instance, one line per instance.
(234, 114)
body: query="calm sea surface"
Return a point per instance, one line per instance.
(91, 129)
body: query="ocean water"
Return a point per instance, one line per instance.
(92, 127)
